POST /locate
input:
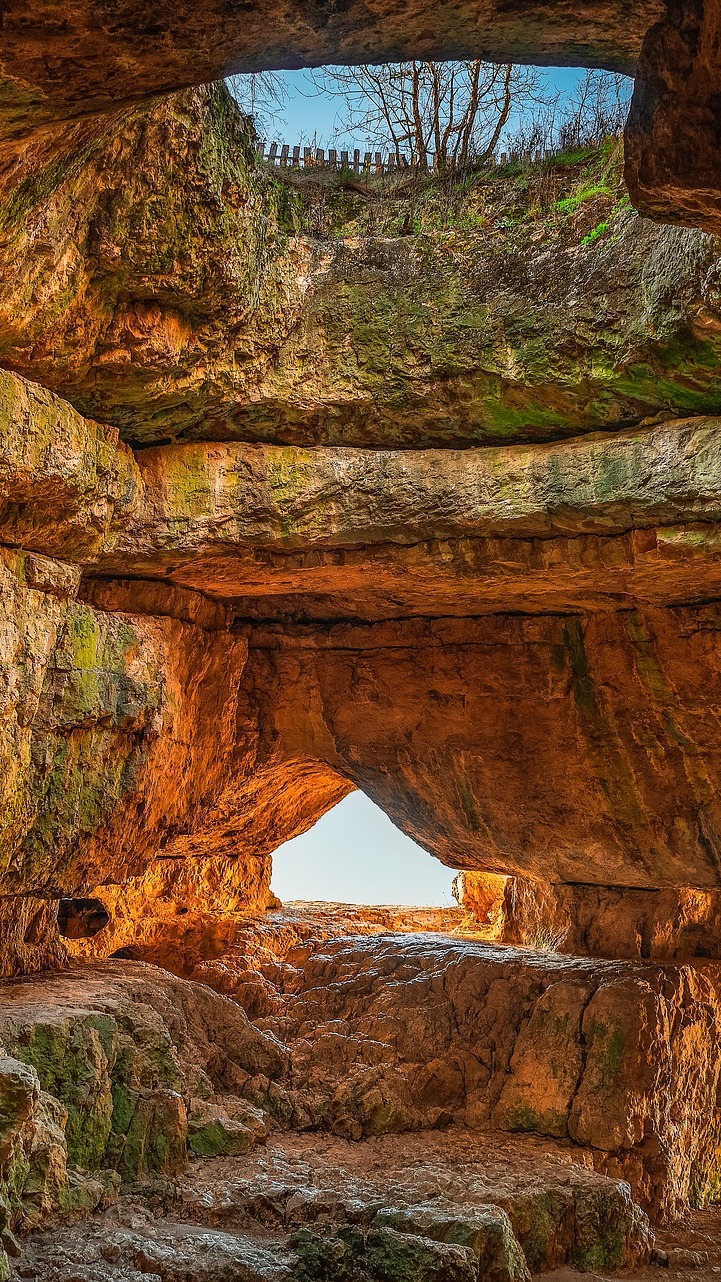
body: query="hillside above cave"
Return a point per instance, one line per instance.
(204, 297)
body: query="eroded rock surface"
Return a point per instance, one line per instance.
(196, 298)
(601, 921)
(398, 1033)
(435, 515)
(313, 1208)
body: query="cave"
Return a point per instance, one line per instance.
(304, 509)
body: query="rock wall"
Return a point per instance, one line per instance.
(368, 503)
(201, 297)
(597, 921)
(102, 1078)
(503, 741)
(396, 1033)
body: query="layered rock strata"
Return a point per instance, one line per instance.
(57, 70)
(436, 516)
(674, 924)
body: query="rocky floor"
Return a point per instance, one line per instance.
(361, 1101)
(454, 1208)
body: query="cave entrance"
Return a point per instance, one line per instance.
(354, 854)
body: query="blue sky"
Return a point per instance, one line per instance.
(355, 855)
(306, 113)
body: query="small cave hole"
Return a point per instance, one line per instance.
(81, 918)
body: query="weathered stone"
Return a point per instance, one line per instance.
(525, 1204)
(53, 69)
(192, 303)
(64, 481)
(429, 532)
(598, 921)
(382, 1255)
(672, 131)
(224, 1128)
(396, 1033)
(503, 743)
(487, 1233)
(116, 1052)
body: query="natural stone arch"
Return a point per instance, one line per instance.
(560, 747)
(58, 66)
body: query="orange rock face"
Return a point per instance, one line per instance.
(395, 1033)
(503, 742)
(599, 921)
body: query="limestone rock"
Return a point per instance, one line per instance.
(488, 1234)
(382, 1255)
(600, 921)
(224, 1128)
(671, 145)
(117, 1053)
(430, 532)
(93, 67)
(502, 741)
(194, 302)
(525, 1204)
(392, 1033)
(64, 481)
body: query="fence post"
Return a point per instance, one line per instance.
(284, 155)
(296, 157)
(319, 156)
(272, 154)
(344, 160)
(379, 163)
(332, 157)
(356, 161)
(366, 163)
(307, 157)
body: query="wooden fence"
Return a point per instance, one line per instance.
(284, 156)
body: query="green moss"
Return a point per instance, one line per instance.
(537, 1220)
(522, 1118)
(72, 1063)
(612, 1042)
(468, 804)
(604, 1255)
(599, 230)
(615, 776)
(216, 1139)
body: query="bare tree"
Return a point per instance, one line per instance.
(453, 111)
(596, 109)
(259, 96)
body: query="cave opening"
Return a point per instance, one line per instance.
(355, 854)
